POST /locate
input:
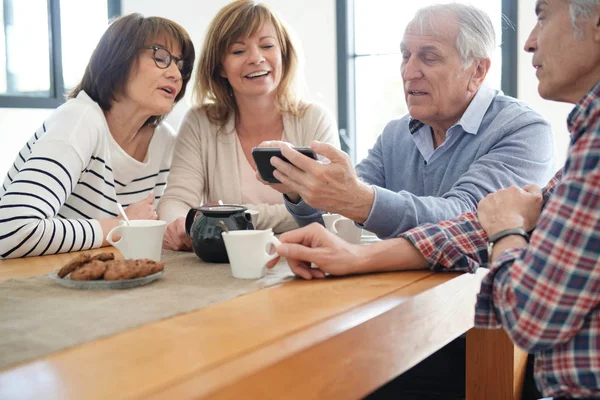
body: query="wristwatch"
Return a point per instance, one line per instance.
(501, 235)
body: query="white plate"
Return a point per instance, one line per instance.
(102, 284)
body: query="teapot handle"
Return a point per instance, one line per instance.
(189, 220)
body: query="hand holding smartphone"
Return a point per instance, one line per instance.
(262, 158)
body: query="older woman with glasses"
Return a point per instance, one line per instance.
(246, 93)
(106, 145)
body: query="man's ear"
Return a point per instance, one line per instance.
(480, 70)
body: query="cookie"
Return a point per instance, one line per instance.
(73, 265)
(149, 267)
(122, 269)
(91, 271)
(104, 257)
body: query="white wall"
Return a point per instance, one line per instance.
(313, 21)
(555, 113)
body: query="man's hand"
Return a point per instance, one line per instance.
(175, 237)
(510, 208)
(281, 188)
(143, 209)
(332, 187)
(315, 244)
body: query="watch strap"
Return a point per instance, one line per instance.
(508, 232)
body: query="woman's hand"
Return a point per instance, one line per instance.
(142, 209)
(175, 237)
(315, 244)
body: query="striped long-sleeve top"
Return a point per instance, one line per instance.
(70, 174)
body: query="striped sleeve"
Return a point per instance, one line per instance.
(37, 186)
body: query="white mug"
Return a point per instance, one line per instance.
(141, 239)
(329, 219)
(347, 230)
(253, 216)
(248, 252)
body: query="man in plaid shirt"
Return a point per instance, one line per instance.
(545, 291)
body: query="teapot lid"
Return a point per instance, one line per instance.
(222, 209)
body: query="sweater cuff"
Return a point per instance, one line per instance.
(382, 219)
(300, 209)
(303, 213)
(98, 234)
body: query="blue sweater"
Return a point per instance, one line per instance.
(498, 142)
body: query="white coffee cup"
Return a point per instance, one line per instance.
(329, 219)
(248, 252)
(347, 230)
(141, 239)
(253, 216)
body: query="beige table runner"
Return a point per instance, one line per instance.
(39, 317)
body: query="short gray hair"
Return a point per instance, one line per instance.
(476, 36)
(581, 9)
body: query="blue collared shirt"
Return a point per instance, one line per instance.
(469, 123)
(498, 142)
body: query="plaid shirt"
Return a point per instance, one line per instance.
(547, 296)
(459, 244)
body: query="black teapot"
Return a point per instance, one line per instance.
(204, 225)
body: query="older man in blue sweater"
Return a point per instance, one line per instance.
(461, 140)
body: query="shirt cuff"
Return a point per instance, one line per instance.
(486, 313)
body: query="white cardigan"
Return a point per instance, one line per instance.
(205, 167)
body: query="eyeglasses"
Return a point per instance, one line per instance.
(162, 59)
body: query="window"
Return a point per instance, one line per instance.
(45, 46)
(370, 89)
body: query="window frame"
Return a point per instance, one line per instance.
(346, 57)
(57, 87)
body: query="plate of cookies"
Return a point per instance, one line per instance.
(102, 271)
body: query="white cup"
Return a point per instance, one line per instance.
(254, 216)
(143, 239)
(347, 230)
(329, 219)
(248, 252)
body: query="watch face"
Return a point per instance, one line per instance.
(490, 247)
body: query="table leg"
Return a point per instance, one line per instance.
(495, 366)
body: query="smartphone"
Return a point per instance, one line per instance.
(262, 158)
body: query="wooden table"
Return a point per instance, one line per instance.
(331, 339)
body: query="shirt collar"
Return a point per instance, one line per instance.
(579, 116)
(473, 115)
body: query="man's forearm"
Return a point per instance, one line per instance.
(391, 255)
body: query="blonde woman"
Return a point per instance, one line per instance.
(245, 94)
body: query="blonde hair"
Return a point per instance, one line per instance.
(241, 19)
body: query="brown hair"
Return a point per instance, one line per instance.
(116, 55)
(241, 19)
